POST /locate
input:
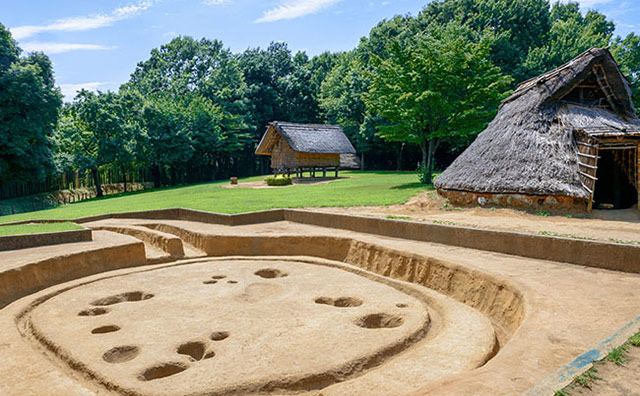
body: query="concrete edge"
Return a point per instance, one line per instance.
(565, 375)
(14, 242)
(597, 254)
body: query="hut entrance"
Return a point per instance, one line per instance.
(616, 186)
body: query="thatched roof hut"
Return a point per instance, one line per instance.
(568, 138)
(294, 147)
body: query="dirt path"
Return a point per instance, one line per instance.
(621, 226)
(295, 182)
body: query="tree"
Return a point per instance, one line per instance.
(213, 138)
(627, 54)
(519, 26)
(29, 103)
(569, 36)
(101, 132)
(200, 83)
(441, 84)
(298, 95)
(267, 73)
(167, 136)
(341, 98)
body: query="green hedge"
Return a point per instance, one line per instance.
(278, 181)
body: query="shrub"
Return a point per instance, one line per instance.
(278, 181)
(422, 174)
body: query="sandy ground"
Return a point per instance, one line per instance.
(259, 325)
(616, 380)
(285, 325)
(564, 309)
(621, 226)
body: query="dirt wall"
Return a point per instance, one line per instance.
(613, 256)
(12, 242)
(596, 254)
(30, 278)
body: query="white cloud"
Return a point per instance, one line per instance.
(58, 48)
(70, 90)
(215, 2)
(589, 3)
(82, 23)
(295, 9)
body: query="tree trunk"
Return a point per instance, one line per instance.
(362, 166)
(155, 171)
(433, 145)
(96, 181)
(399, 149)
(426, 179)
(124, 176)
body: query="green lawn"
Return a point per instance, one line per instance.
(358, 188)
(37, 228)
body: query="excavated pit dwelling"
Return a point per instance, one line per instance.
(175, 307)
(263, 326)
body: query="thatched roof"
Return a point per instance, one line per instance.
(597, 122)
(306, 138)
(350, 161)
(529, 147)
(555, 84)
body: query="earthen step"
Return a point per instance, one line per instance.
(158, 245)
(155, 255)
(191, 251)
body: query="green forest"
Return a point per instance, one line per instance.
(416, 90)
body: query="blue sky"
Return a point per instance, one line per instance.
(96, 44)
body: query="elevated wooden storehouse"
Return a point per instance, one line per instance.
(304, 147)
(566, 139)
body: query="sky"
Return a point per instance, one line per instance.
(96, 44)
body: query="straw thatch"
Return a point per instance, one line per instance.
(530, 147)
(306, 138)
(294, 146)
(350, 161)
(597, 122)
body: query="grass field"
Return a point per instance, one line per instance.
(37, 228)
(357, 189)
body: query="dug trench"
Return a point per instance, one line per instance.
(495, 298)
(197, 350)
(353, 374)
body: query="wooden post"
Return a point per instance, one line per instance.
(596, 152)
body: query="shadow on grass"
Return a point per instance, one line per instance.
(415, 185)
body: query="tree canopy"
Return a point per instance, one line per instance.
(438, 85)
(194, 111)
(29, 103)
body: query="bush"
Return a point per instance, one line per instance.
(278, 181)
(422, 175)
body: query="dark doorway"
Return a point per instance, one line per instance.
(616, 179)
